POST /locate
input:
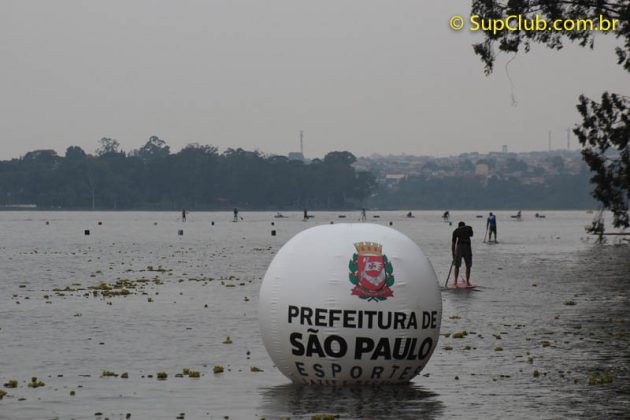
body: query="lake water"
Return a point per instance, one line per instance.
(555, 302)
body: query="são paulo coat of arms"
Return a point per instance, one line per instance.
(371, 272)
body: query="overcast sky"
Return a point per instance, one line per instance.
(368, 76)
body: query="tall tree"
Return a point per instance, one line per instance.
(605, 129)
(154, 148)
(107, 145)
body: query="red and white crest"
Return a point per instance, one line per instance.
(371, 272)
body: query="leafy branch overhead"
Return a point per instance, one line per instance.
(605, 127)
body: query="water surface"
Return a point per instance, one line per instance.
(551, 314)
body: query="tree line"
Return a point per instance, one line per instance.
(563, 191)
(197, 177)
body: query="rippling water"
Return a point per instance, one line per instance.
(552, 313)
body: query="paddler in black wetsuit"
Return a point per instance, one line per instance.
(460, 247)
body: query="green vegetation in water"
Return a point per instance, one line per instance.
(35, 383)
(255, 369)
(191, 373)
(569, 302)
(161, 376)
(545, 343)
(124, 375)
(227, 340)
(217, 369)
(605, 378)
(536, 373)
(324, 417)
(448, 348)
(2, 393)
(11, 383)
(498, 348)
(460, 334)
(72, 393)
(108, 373)
(454, 317)
(160, 269)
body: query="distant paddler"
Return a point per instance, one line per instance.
(461, 248)
(235, 215)
(305, 215)
(446, 216)
(491, 226)
(183, 215)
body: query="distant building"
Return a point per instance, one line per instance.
(296, 156)
(395, 177)
(482, 169)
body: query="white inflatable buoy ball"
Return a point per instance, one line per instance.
(350, 304)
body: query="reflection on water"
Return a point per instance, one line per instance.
(378, 402)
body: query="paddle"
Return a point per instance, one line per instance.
(486, 234)
(452, 263)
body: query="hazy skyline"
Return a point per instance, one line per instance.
(360, 75)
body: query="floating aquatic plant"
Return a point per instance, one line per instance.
(2, 394)
(124, 375)
(255, 369)
(536, 373)
(217, 369)
(107, 373)
(11, 383)
(161, 376)
(35, 383)
(227, 340)
(601, 379)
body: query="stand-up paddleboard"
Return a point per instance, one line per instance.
(461, 285)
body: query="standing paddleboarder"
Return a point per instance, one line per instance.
(461, 248)
(183, 215)
(235, 215)
(491, 225)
